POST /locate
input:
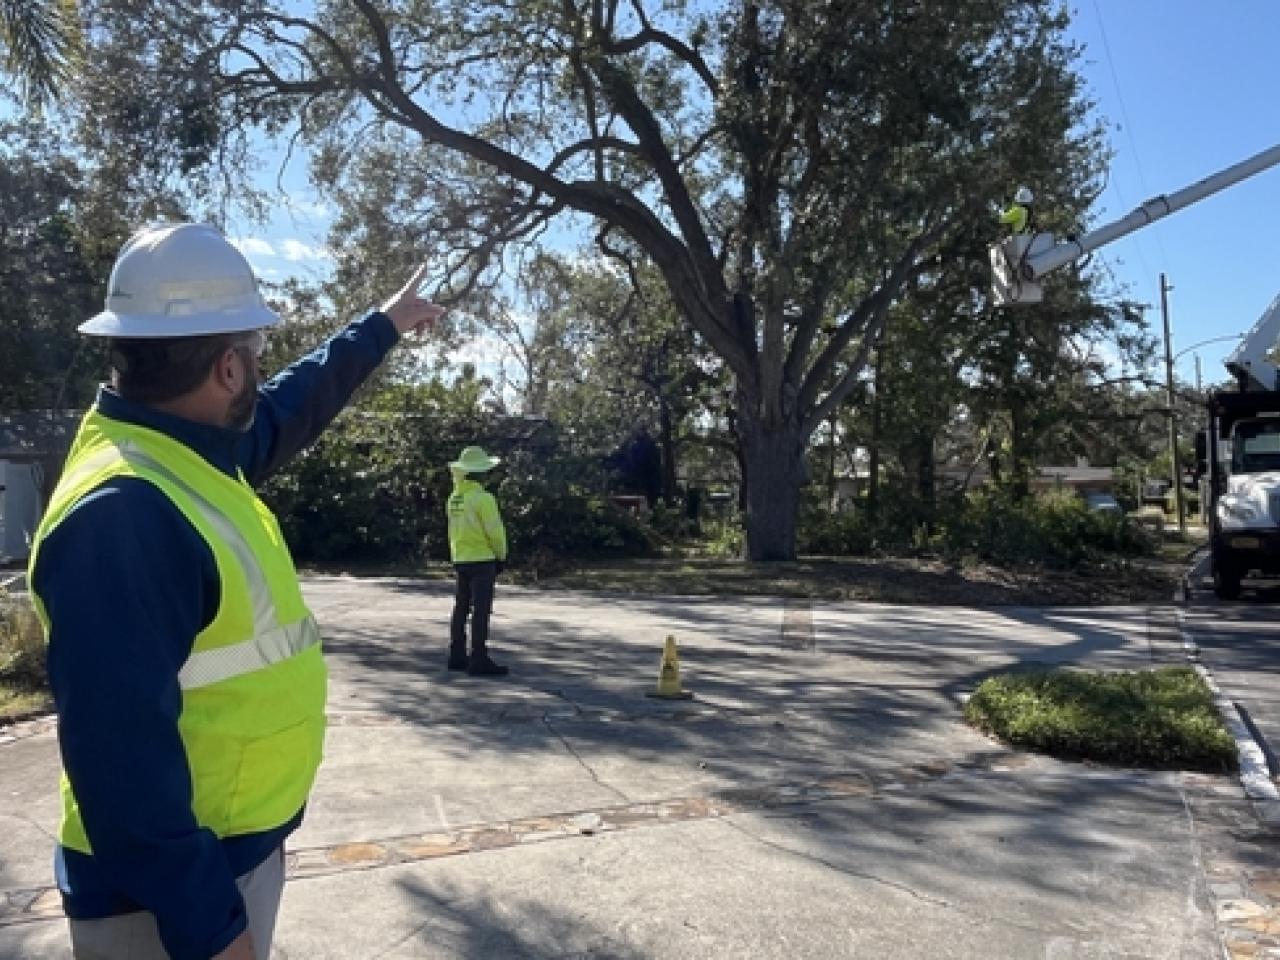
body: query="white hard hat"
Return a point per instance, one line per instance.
(1024, 195)
(180, 280)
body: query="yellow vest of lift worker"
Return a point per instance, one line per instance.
(253, 688)
(475, 528)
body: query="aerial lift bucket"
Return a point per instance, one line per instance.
(1007, 283)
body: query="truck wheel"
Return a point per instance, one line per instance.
(1226, 583)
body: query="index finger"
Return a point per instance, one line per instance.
(416, 280)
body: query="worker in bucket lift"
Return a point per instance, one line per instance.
(478, 549)
(1018, 215)
(185, 666)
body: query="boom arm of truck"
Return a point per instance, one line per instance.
(1252, 363)
(1020, 262)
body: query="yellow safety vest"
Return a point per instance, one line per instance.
(254, 686)
(1016, 216)
(475, 528)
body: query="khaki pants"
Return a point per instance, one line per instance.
(133, 936)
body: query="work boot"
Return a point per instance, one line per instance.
(458, 659)
(482, 666)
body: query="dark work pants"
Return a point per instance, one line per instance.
(474, 596)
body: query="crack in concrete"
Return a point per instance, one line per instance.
(583, 763)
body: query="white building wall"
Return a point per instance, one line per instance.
(19, 507)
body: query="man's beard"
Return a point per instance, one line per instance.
(243, 405)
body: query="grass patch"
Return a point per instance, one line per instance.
(1161, 719)
(24, 688)
(18, 702)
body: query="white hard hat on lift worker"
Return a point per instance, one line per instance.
(180, 280)
(1024, 195)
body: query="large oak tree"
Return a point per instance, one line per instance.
(789, 167)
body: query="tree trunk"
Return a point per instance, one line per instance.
(1020, 468)
(831, 462)
(667, 443)
(774, 458)
(928, 476)
(873, 466)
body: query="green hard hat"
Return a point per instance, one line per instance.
(475, 460)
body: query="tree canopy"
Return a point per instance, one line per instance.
(789, 168)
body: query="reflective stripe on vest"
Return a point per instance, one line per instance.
(271, 642)
(223, 663)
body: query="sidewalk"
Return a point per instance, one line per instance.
(819, 798)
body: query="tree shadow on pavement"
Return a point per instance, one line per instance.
(476, 927)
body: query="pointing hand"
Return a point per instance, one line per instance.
(408, 311)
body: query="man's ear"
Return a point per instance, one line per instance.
(227, 370)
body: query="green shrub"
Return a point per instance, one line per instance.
(565, 521)
(669, 522)
(844, 533)
(1055, 529)
(723, 538)
(1163, 719)
(374, 488)
(22, 647)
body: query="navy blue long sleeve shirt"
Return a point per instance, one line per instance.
(128, 583)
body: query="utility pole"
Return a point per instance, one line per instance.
(1173, 413)
(1198, 374)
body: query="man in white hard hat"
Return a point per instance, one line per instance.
(184, 664)
(1017, 216)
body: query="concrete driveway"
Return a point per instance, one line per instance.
(819, 797)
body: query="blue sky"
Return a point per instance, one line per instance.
(1191, 84)
(1186, 87)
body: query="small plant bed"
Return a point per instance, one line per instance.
(1160, 719)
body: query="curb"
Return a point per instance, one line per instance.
(1255, 776)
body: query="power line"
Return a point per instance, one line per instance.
(1128, 129)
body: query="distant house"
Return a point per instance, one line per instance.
(1081, 478)
(33, 446)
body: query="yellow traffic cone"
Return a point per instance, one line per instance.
(669, 675)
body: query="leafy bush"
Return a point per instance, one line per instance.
(668, 522)
(22, 648)
(723, 538)
(565, 521)
(375, 485)
(1056, 529)
(1154, 718)
(845, 533)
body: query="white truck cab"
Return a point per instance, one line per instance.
(1242, 457)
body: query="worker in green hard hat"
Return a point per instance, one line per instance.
(1017, 215)
(478, 549)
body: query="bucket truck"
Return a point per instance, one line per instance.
(1240, 447)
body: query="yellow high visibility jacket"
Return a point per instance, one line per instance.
(1016, 217)
(476, 532)
(254, 685)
